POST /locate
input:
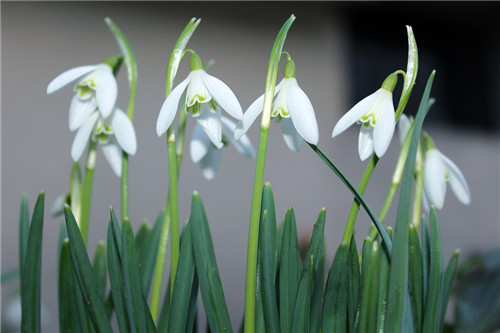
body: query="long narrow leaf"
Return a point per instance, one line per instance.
(369, 291)
(416, 278)
(30, 283)
(425, 257)
(99, 267)
(165, 310)
(68, 316)
(311, 262)
(448, 281)
(206, 266)
(116, 280)
(316, 316)
(289, 271)
(186, 286)
(432, 313)
(337, 292)
(24, 225)
(354, 286)
(267, 246)
(132, 281)
(383, 278)
(398, 275)
(148, 254)
(86, 277)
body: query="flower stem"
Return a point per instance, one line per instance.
(87, 189)
(124, 187)
(253, 233)
(419, 181)
(174, 206)
(353, 214)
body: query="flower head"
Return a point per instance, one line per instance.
(205, 96)
(439, 171)
(115, 134)
(291, 108)
(209, 156)
(375, 113)
(96, 89)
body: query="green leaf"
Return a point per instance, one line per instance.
(432, 312)
(398, 275)
(30, 277)
(183, 304)
(85, 275)
(132, 282)
(311, 263)
(100, 269)
(449, 275)
(24, 225)
(75, 192)
(425, 257)
(148, 253)
(267, 248)
(383, 278)
(354, 279)
(337, 292)
(68, 311)
(416, 278)
(206, 267)
(290, 268)
(316, 316)
(369, 290)
(116, 279)
(165, 310)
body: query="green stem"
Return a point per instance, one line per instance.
(351, 220)
(75, 190)
(87, 189)
(124, 187)
(253, 234)
(419, 175)
(174, 206)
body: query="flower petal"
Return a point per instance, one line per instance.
(169, 108)
(243, 144)
(197, 92)
(68, 76)
(200, 144)
(457, 181)
(106, 91)
(124, 131)
(79, 111)
(210, 163)
(113, 155)
(82, 136)
(384, 128)
(425, 202)
(249, 117)
(434, 178)
(302, 114)
(292, 138)
(210, 121)
(365, 142)
(404, 125)
(354, 114)
(223, 95)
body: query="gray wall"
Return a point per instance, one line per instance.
(40, 40)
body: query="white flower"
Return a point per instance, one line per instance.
(292, 109)
(96, 88)
(377, 117)
(208, 156)
(205, 96)
(115, 134)
(438, 171)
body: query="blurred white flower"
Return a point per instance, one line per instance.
(205, 96)
(115, 134)
(207, 156)
(96, 89)
(439, 171)
(291, 108)
(377, 117)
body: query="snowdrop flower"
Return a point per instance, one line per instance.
(96, 89)
(439, 171)
(291, 108)
(115, 134)
(205, 96)
(377, 117)
(208, 156)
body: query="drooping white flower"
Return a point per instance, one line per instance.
(439, 171)
(375, 113)
(96, 89)
(115, 134)
(208, 156)
(205, 96)
(291, 108)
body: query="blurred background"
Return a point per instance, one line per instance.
(342, 51)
